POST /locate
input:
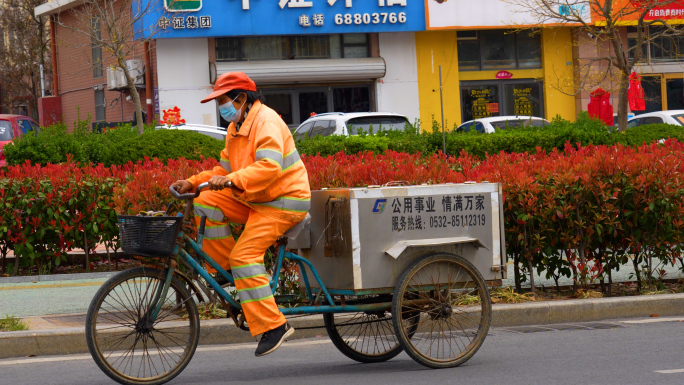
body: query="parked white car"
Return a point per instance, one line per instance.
(346, 124)
(489, 125)
(213, 131)
(669, 117)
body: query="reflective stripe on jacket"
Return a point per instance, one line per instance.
(262, 161)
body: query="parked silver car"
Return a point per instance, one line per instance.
(346, 124)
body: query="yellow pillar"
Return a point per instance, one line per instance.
(435, 48)
(558, 73)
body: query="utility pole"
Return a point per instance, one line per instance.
(441, 102)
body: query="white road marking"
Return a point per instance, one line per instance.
(670, 371)
(654, 320)
(80, 357)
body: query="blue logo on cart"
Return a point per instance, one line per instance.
(379, 206)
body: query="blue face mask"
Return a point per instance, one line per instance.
(229, 113)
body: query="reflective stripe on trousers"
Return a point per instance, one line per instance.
(255, 294)
(249, 271)
(300, 205)
(217, 232)
(212, 213)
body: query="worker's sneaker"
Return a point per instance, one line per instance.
(271, 340)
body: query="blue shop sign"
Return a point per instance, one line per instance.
(216, 18)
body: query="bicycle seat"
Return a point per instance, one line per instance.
(294, 231)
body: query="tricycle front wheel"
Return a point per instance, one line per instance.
(448, 300)
(127, 343)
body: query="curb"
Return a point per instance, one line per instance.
(223, 331)
(57, 277)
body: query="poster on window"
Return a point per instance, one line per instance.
(466, 14)
(481, 103)
(522, 102)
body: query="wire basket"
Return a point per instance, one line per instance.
(148, 236)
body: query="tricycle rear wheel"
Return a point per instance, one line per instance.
(366, 337)
(447, 298)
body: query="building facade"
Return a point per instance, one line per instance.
(314, 56)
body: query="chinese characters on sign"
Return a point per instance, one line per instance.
(523, 105)
(179, 22)
(348, 18)
(421, 213)
(481, 103)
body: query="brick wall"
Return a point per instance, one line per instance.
(76, 82)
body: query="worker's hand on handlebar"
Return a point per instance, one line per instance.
(182, 186)
(218, 182)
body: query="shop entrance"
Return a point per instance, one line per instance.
(482, 99)
(662, 92)
(297, 104)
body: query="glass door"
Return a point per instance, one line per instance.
(480, 101)
(652, 94)
(483, 99)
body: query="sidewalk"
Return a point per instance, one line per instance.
(55, 309)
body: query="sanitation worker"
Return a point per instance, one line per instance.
(269, 193)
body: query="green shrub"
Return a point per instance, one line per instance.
(650, 133)
(584, 131)
(165, 144)
(115, 146)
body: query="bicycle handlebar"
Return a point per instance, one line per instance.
(194, 195)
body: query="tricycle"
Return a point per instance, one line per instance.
(390, 268)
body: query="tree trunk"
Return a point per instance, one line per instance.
(134, 94)
(16, 265)
(109, 258)
(623, 101)
(3, 262)
(87, 253)
(516, 272)
(610, 282)
(531, 269)
(638, 274)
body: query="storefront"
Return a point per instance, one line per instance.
(305, 56)
(662, 71)
(489, 66)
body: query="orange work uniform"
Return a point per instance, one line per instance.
(261, 160)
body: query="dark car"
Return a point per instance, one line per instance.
(14, 126)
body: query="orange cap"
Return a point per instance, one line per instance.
(228, 82)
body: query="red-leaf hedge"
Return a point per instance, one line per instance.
(579, 213)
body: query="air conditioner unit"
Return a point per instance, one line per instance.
(113, 78)
(137, 71)
(116, 78)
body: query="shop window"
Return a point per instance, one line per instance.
(483, 99)
(282, 104)
(96, 47)
(523, 99)
(311, 47)
(480, 101)
(652, 92)
(100, 106)
(675, 94)
(355, 45)
(311, 103)
(351, 99)
(295, 105)
(495, 50)
(498, 50)
(292, 47)
(660, 49)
